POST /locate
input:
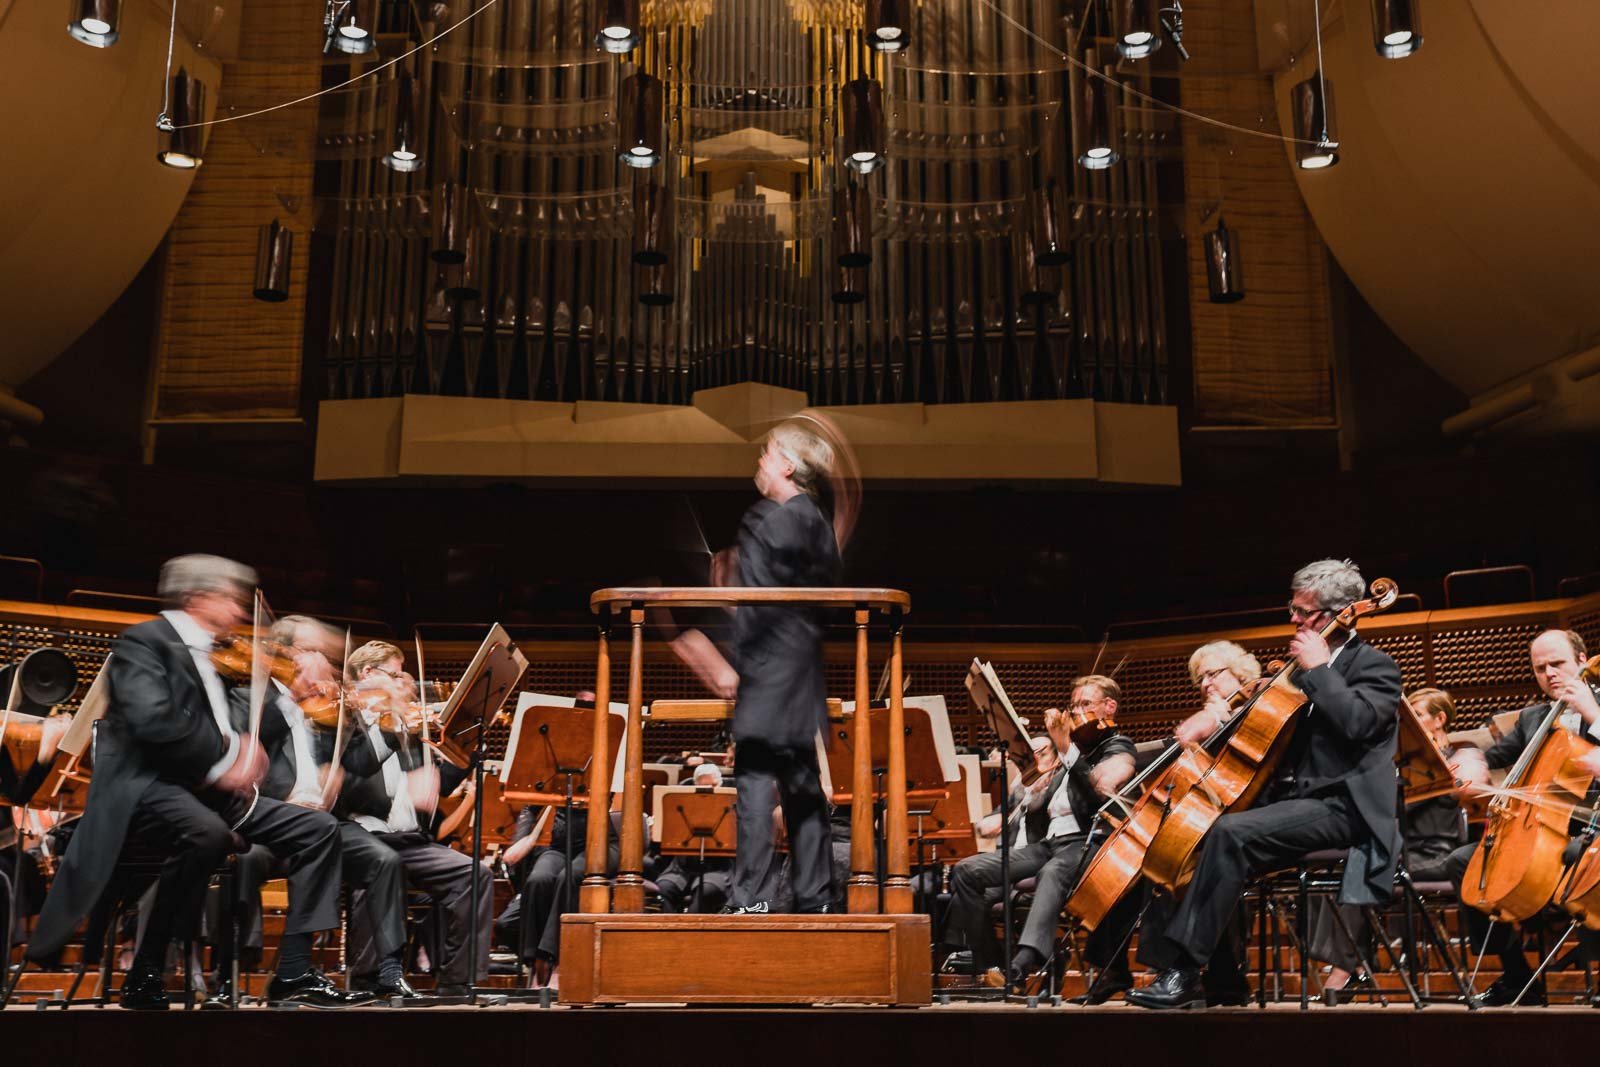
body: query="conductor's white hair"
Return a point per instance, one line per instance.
(200, 573)
(1336, 583)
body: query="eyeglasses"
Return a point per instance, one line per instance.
(1084, 705)
(1297, 613)
(1206, 676)
(391, 674)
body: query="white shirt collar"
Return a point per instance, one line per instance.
(190, 632)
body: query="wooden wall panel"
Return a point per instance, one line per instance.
(220, 353)
(1266, 360)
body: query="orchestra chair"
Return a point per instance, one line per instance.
(138, 868)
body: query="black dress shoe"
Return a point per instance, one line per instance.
(314, 990)
(399, 989)
(1502, 992)
(1178, 987)
(142, 990)
(1103, 988)
(1024, 964)
(959, 962)
(1358, 984)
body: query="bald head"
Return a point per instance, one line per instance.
(1556, 654)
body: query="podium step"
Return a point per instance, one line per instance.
(745, 959)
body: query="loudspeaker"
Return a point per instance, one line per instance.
(47, 676)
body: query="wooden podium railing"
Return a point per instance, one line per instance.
(626, 893)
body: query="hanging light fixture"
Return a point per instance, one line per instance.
(1138, 27)
(850, 285)
(94, 22)
(654, 224)
(1052, 245)
(639, 120)
(468, 285)
(274, 256)
(1316, 140)
(1396, 27)
(862, 103)
(1034, 282)
(1224, 273)
(342, 29)
(619, 27)
(886, 25)
(852, 224)
(187, 106)
(655, 288)
(403, 154)
(1095, 141)
(449, 229)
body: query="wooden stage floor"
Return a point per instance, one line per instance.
(960, 1033)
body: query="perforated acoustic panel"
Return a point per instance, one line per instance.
(1479, 655)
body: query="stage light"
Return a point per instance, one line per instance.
(1224, 273)
(94, 22)
(183, 150)
(1095, 140)
(852, 224)
(342, 29)
(1317, 146)
(1052, 245)
(639, 120)
(1138, 27)
(403, 155)
(274, 258)
(450, 220)
(850, 285)
(656, 289)
(654, 222)
(619, 27)
(886, 26)
(1396, 27)
(862, 103)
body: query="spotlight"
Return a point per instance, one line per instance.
(1317, 142)
(1224, 276)
(1396, 27)
(639, 120)
(1094, 126)
(274, 257)
(183, 150)
(403, 155)
(342, 30)
(862, 101)
(619, 27)
(886, 26)
(94, 22)
(1138, 28)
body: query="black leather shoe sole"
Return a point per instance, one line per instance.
(140, 1002)
(1144, 1000)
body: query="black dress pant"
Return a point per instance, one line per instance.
(763, 776)
(1238, 846)
(445, 875)
(691, 885)
(193, 830)
(552, 883)
(1055, 862)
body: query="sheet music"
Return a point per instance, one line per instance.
(989, 696)
(547, 700)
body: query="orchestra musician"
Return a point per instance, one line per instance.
(297, 772)
(1057, 819)
(1434, 828)
(689, 883)
(393, 802)
(174, 769)
(1557, 657)
(1339, 792)
(21, 884)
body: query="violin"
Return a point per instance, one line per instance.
(234, 659)
(1517, 867)
(1256, 737)
(1086, 728)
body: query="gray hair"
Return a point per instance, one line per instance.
(198, 573)
(1336, 583)
(1244, 666)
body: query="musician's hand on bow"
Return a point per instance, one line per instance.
(518, 851)
(1577, 695)
(989, 825)
(423, 784)
(1197, 727)
(1310, 649)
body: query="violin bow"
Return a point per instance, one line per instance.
(335, 777)
(259, 671)
(422, 702)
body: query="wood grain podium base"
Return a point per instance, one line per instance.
(745, 959)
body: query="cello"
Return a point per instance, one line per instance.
(1256, 738)
(1518, 866)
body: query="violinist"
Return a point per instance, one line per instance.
(1339, 792)
(1557, 657)
(298, 772)
(1056, 820)
(17, 786)
(393, 801)
(176, 770)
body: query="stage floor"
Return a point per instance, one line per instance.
(959, 1033)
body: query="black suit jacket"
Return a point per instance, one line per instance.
(159, 725)
(364, 791)
(782, 698)
(1345, 741)
(1085, 801)
(18, 786)
(1504, 752)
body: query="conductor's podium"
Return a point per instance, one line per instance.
(612, 952)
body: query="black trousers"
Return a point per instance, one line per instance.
(551, 882)
(446, 876)
(193, 830)
(764, 776)
(679, 883)
(1240, 845)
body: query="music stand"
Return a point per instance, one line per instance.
(695, 821)
(989, 698)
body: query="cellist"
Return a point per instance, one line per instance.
(1558, 657)
(1339, 792)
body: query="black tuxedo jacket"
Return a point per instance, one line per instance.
(1345, 741)
(782, 698)
(1504, 752)
(158, 725)
(364, 791)
(1085, 801)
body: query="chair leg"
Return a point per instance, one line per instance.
(108, 958)
(1302, 902)
(1261, 946)
(12, 978)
